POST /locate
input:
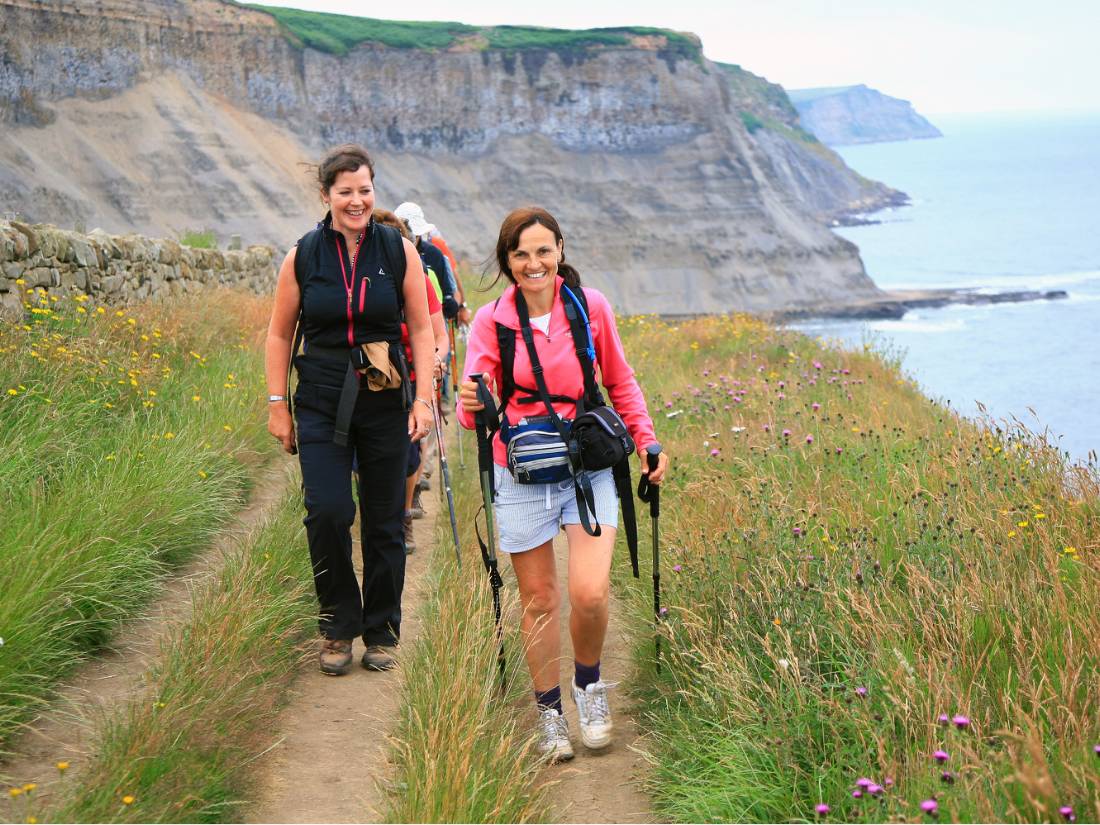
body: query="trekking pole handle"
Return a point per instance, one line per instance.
(485, 397)
(651, 493)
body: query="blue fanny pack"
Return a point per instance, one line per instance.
(536, 452)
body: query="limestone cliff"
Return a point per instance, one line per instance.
(858, 114)
(160, 116)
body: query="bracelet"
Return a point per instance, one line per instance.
(272, 399)
(427, 404)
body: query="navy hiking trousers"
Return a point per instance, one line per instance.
(379, 438)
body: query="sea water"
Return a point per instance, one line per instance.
(998, 203)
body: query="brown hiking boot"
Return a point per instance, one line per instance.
(379, 657)
(410, 544)
(335, 656)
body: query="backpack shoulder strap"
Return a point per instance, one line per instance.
(576, 311)
(306, 258)
(393, 253)
(506, 343)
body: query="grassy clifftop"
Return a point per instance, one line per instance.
(338, 33)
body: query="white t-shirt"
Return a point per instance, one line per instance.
(542, 322)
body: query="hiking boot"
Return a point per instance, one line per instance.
(554, 744)
(378, 657)
(335, 657)
(423, 484)
(593, 713)
(410, 543)
(417, 510)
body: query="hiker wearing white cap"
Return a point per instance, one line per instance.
(428, 237)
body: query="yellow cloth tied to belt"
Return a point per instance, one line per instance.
(381, 373)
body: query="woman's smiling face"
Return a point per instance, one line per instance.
(351, 198)
(534, 261)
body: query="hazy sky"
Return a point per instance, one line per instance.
(943, 55)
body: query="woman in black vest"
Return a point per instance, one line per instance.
(349, 280)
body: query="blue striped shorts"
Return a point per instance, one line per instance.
(529, 515)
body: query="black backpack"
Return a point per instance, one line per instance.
(591, 400)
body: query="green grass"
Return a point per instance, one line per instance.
(181, 750)
(129, 439)
(945, 567)
(199, 239)
(337, 34)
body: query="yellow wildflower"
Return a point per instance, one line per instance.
(14, 792)
(30, 786)
(169, 436)
(227, 428)
(128, 800)
(1040, 516)
(1070, 551)
(1012, 534)
(1021, 524)
(202, 473)
(776, 621)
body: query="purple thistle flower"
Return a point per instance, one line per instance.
(714, 452)
(943, 719)
(676, 568)
(941, 756)
(809, 439)
(864, 782)
(821, 809)
(668, 405)
(767, 428)
(888, 782)
(786, 433)
(664, 610)
(815, 406)
(961, 721)
(839, 451)
(1067, 813)
(817, 365)
(797, 531)
(861, 691)
(875, 790)
(1096, 750)
(857, 794)
(947, 777)
(930, 806)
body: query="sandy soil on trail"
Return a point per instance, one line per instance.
(332, 753)
(604, 785)
(65, 730)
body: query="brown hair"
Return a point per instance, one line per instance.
(346, 158)
(387, 217)
(508, 241)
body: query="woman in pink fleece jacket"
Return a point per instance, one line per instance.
(530, 254)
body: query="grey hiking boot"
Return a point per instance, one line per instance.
(378, 657)
(410, 543)
(335, 656)
(417, 510)
(554, 744)
(594, 713)
(423, 483)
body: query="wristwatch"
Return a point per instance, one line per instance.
(274, 399)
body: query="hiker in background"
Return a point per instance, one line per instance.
(428, 242)
(417, 455)
(530, 254)
(347, 286)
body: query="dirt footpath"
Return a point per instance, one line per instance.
(65, 731)
(604, 785)
(332, 754)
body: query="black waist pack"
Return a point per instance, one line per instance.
(601, 437)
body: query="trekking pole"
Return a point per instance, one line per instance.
(445, 472)
(486, 420)
(651, 494)
(454, 390)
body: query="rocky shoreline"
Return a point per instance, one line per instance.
(894, 304)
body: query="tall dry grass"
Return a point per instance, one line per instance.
(846, 565)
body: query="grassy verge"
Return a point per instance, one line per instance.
(177, 753)
(128, 436)
(462, 754)
(861, 586)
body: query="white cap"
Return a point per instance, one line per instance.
(412, 214)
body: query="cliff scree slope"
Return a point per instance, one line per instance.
(675, 197)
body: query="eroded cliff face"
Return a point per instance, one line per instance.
(165, 115)
(858, 114)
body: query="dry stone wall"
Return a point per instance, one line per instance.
(119, 268)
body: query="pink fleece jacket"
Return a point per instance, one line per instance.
(559, 363)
